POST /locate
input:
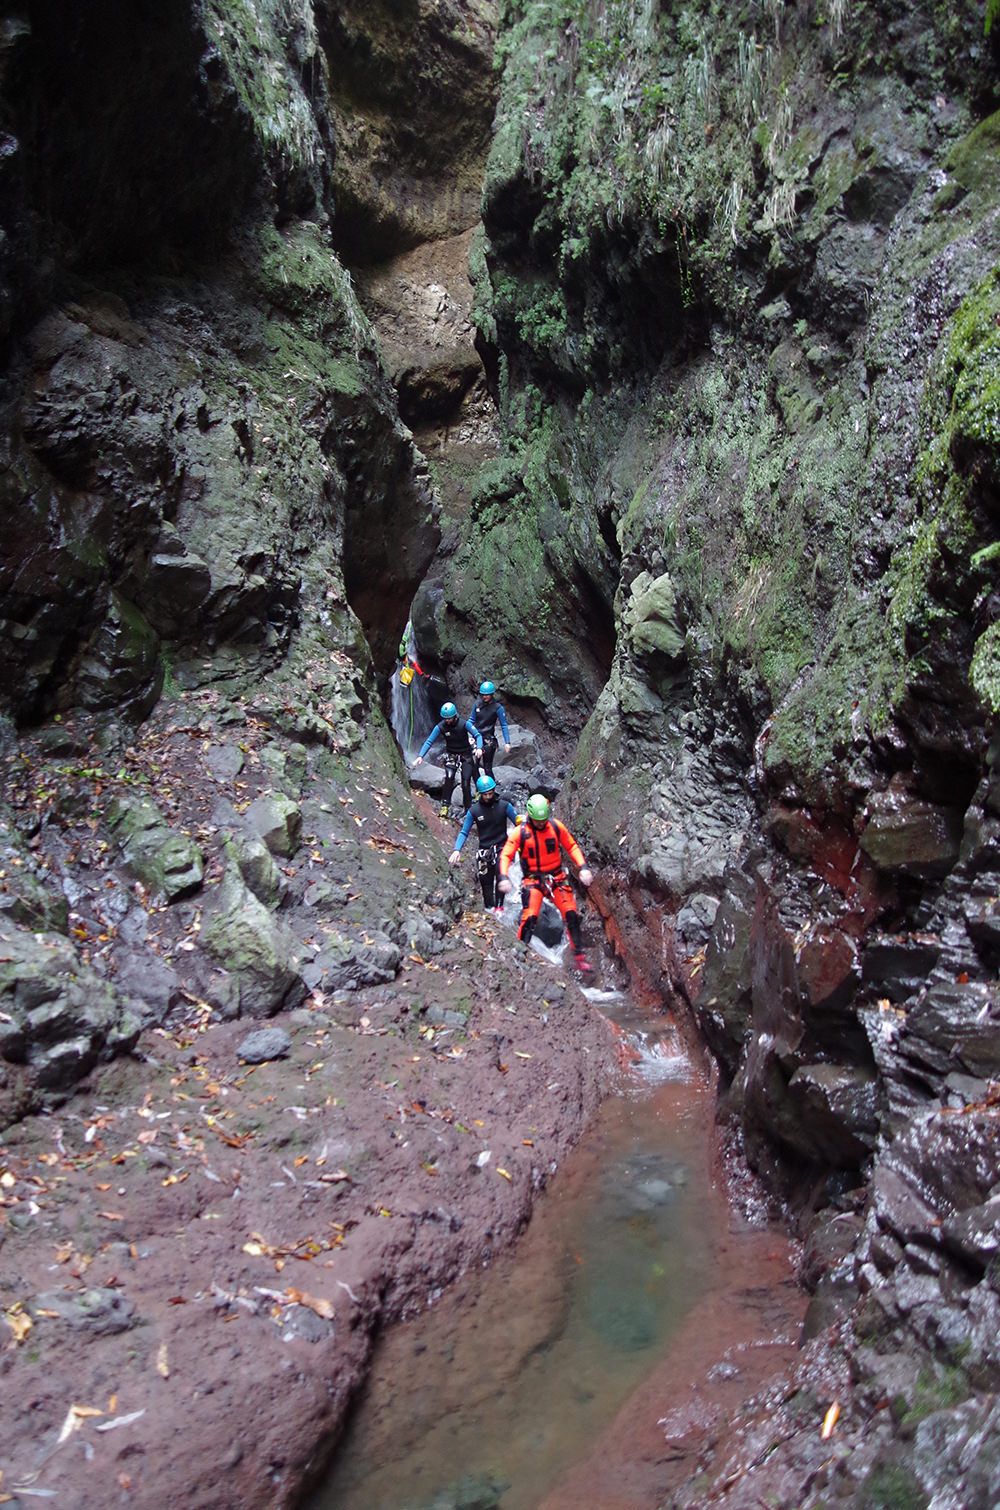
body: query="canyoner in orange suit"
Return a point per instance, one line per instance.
(541, 843)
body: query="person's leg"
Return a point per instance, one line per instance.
(486, 870)
(448, 789)
(565, 900)
(532, 907)
(468, 765)
(489, 750)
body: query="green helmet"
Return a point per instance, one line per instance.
(538, 808)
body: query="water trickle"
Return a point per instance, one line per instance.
(519, 1389)
(409, 706)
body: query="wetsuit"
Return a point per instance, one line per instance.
(459, 739)
(541, 847)
(491, 820)
(484, 718)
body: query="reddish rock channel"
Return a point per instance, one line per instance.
(595, 1361)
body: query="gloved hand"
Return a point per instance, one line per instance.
(503, 884)
(418, 760)
(586, 876)
(455, 857)
(506, 749)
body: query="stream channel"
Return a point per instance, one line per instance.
(587, 1367)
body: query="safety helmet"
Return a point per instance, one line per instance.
(448, 710)
(538, 808)
(486, 689)
(485, 784)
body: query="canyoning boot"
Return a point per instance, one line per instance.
(583, 964)
(443, 810)
(498, 911)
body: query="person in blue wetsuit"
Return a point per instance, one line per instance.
(485, 716)
(463, 747)
(491, 817)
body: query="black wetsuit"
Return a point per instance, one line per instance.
(491, 820)
(457, 758)
(484, 716)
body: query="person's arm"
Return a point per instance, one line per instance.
(502, 721)
(427, 743)
(511, 812)
(507, 854)
(469, 724)
(575, 853)
(461, 837)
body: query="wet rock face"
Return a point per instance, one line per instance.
(163, 478)
(412, 100)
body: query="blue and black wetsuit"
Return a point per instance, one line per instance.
(459, 739)
(491, 819)
(485, 716)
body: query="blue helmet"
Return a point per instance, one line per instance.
(486, 689)
(448, 710)
(485, 784)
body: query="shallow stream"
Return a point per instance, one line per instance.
(586, 1366)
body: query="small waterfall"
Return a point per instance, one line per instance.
(410, 710)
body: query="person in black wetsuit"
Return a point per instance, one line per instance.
(463, 746)
(485, 716)
(491, 817)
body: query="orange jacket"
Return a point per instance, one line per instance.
(540, 848)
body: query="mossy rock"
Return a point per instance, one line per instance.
(167, 863)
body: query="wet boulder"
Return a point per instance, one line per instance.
(167, 863)
(897, 965)
(906, 836)
(58, 1017)
(954, 1026)
(260, 955)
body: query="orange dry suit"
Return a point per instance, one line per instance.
(541, 847)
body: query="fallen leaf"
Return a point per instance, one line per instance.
(830, 1420)
(112, 1216)
(19, 1322)
(319, 1304)
(520, 1054)
(504, 1173)
(162, 1366)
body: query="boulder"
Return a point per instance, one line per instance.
(345, 963)
(255, 863)
(260, 955)
(167, 863)
(278, 821)
(57, 1018)
(906, 836)
(264, 1044)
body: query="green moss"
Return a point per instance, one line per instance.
(890, 1486)
(249, 36)
(973, 160)
(938, 1390)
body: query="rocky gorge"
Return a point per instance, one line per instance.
(646, 358)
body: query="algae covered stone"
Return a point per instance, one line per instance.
(167, 863)
(260, 955)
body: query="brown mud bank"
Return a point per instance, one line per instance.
(198, 1252)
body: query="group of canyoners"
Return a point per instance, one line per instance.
(538, 839)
